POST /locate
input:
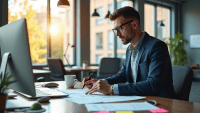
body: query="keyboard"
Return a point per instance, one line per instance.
(40, 93)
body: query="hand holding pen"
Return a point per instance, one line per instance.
(90, 83)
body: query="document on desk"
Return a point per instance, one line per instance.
(13, 104)
(78, 96)
(136, 106)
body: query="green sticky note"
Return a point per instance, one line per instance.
(124, 112)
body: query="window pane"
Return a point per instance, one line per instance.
(149, 19)
(104, 26)
(122, 56)
(61, 32)
(35, 13)
(121, 48)
(110, 8)
(98, 58)
(99, 20)
(163, 16)
(110, 39)
(99, 41)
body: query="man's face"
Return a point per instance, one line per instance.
(124, 29)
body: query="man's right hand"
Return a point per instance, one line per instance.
(89, 83)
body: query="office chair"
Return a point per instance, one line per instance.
(57, 69)
(182, 81)
(108, 67)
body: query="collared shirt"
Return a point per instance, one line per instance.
(134, 55)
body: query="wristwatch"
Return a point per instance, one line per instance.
(112, 87)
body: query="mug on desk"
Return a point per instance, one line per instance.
(70, 80)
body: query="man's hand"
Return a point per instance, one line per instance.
(89, 83)
(102, 87)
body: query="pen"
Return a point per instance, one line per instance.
(88, 79)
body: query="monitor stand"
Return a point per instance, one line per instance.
(5, 58)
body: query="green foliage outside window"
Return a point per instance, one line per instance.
(37, 38)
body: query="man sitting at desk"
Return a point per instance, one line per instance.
(147, 69)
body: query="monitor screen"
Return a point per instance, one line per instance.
(14, 40)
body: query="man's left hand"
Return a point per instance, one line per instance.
(102, 87)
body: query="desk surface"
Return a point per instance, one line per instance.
(77, 69)
(60, 105)
(41, 72)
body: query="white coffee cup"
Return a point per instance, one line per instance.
(70, 80)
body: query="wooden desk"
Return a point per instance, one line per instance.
(38, 72)
(60, 105)
(195, 67)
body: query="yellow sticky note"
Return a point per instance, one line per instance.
(124, 112)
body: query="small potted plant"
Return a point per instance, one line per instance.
(4, 82)
(84, 64)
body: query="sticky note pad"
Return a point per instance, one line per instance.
(161, 110)
(123, 112)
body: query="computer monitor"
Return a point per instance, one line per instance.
(14, 40)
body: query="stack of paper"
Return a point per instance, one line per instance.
(137, 106)
(78, 96)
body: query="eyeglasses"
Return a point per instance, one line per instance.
(119, 28)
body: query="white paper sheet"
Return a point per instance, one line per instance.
(136, 106)
(12, 104)
(76, 91)
(103, 99)
(78, 96)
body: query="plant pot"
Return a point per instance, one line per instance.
(3, 98)
(84, 65)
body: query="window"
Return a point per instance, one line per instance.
(36, 21)
(120, 45)
(122, 56)
(68, 15)
(99, 20)
(35, 11)
(103, 44)
(110, 8)
(110, 39)
(149, 19)
(98, 58)
(162, 14)
(161, 31)
(122, 4)
(110, 55)
(121, 48)
(99, 41)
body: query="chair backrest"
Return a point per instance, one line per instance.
(108, 67)
(182, 81)
(57, 69)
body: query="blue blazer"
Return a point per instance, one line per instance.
(153, 69)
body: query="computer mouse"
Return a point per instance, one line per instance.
(153, 102)
(43, 99)
(50, 85)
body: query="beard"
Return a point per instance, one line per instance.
(129, 38)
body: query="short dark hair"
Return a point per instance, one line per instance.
(126, 12)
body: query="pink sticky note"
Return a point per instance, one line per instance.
(102, 112)
(161, 110)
